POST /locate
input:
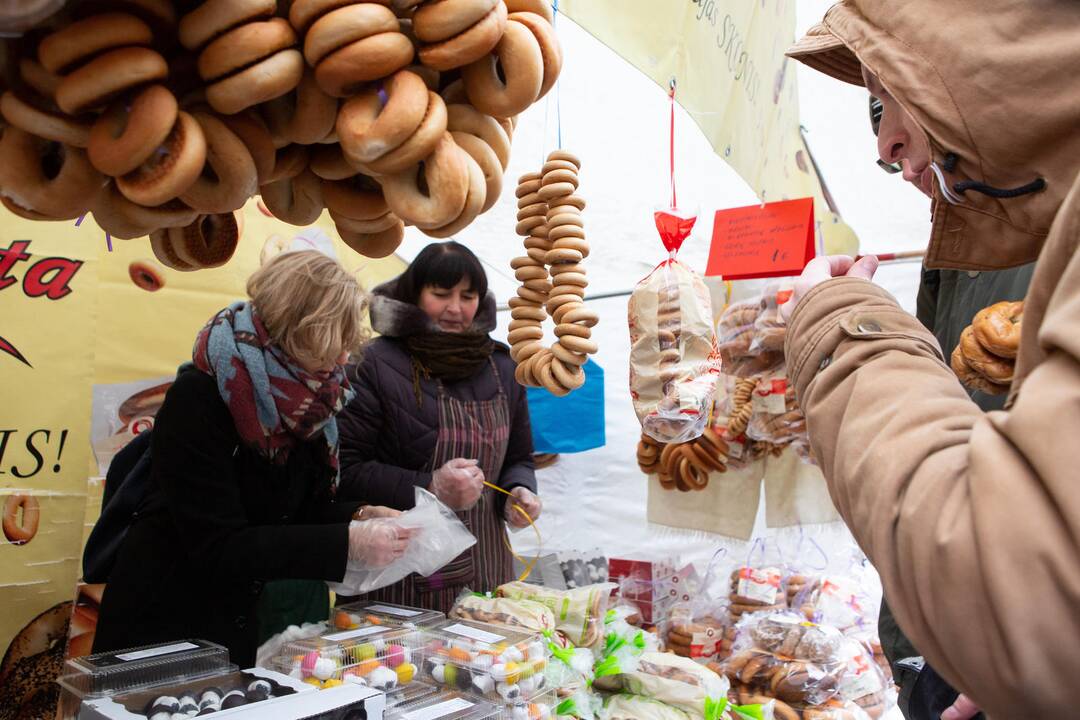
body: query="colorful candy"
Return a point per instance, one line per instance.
(406, 672)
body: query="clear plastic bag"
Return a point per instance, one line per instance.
(777, 417)
(579, 613)
(770, 330)
(676, 681)
(440, 537)
(674, 365)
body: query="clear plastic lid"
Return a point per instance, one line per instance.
(353, 615)
(539, 707)
(380, 656)
(445, 706)
(489, 660)
(109, 673)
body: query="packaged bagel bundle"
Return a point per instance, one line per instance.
(799, 664)
(674, 365)
(756, 589)
(522, 615)
(770, 329)
(699, 631)
(579, 613)
(777, 418)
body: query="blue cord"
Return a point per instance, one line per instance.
(558, 96)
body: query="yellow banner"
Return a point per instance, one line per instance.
(89, 338)
(726, 60)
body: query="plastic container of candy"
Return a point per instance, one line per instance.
(504, 666)
(539, 707)
(445, 705)
(381, 657)
(112, 673)
(366, 612)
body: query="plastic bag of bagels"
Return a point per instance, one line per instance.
(522, 614)
(777, 417)
(782, 655)
(676, 681)
(770, 330)
(674, 364)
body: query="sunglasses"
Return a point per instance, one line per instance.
(876, 111)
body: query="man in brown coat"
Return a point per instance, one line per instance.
(972, 518)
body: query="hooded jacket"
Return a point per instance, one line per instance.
(972, 518)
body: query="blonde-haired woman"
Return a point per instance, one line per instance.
(244, 469)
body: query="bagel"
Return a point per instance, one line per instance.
(556, 190)
(37, 78)
(534, 314)
(371, 58)
(60, 51)
(302, 13)
(550, 50)
(519, 58)
(289, 161)
(558, 165)
(465, 118)
(528, 185)
(418, 146)
(997, 328)
(32, 663)
(447, 177)
(533, 272)
(161, 243)
(305, 116)
(45, 124)
(474, 202)
(554, 302)
(531, 295)
(565, 355)
(46, 177)
(296, 200)
(488, 163)
(578, 330)
(566, 156)
(329, 163)
(561, 175)
(561, 268)
(379, 121)
(454, 93)
(271, 78)
(531, 211)
(995, 369)
(540, 7)
(438, 21)
(233, 178)
(126, 135)
(357, 198)
(214, 17)
(576, 244)
(243, 47)
(570, 376)
(469, 46)
(252, 131)
(557, 290)
(123, 219)
(365, 227)
(577, 279)
(565, 218)
(344, 26)
(583, 315)
(97, 82)
(567, 232)
(22, 513)
(145, 276)
(208, 242)
(376, 245)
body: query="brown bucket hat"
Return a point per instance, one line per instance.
(825, 52)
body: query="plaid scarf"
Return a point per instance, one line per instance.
(273, 401)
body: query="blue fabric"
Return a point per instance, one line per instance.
(570, 424)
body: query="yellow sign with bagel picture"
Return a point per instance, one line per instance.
(90, 338)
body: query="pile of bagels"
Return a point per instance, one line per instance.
(164, 118)
(553, 279)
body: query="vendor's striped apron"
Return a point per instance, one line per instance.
(477, 430)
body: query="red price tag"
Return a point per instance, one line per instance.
(759, 242)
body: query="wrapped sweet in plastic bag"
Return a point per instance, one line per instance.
(521, 614)
(633, 707)
(439, 537)
(674, 365)
(579, 613)
(677, 681)
(582, 705)
(777, 417)
(570, 669)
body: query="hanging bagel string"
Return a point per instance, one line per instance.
(553, 279)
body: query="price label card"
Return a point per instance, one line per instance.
(776, 240)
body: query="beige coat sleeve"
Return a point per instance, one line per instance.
(972, 518)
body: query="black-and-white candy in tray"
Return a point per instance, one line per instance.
(213, 699)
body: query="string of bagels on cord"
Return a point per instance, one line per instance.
(163, 124)
(553, 279)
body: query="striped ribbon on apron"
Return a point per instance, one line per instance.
(476, 430)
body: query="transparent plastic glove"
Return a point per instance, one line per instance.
(528, 501)
(377, 542)
(458, 483)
